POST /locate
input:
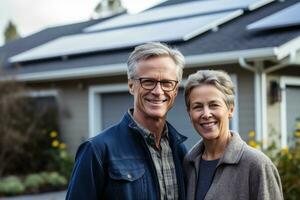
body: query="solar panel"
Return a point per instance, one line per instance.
(177, 11)
(285, 18)
(174, 30)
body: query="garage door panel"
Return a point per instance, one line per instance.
(293, 111)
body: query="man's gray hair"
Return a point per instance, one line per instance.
(217, 78)
(154, 49)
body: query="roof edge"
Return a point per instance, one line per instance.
(121, 68)
(230, 57)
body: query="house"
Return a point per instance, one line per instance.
(83, 66)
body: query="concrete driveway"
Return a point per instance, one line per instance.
(47, 196)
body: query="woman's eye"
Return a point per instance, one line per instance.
(197, 107)
(214, 105)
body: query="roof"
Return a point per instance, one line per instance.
(231, 39)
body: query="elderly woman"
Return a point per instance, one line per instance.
(222, 165)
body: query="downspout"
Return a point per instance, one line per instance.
(260, 101)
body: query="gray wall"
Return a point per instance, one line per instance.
(246, 103)
(73, 104)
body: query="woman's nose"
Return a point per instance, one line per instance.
(206, 112)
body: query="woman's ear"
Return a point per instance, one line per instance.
(231, 110)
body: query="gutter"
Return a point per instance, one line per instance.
(260, 88)
(268, 53)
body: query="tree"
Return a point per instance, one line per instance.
(11, 32)
(25, 124)
(106, 8)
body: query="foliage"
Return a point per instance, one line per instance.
(56, 180)
(29, 134)
(11, 32)
(11, 185)
(32, 183)
(25, 123)
(287, 161)
(61, 160)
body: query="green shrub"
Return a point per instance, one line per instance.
(287, 161)
(56, 180)
(288, 164)
(11, 185)
(34, 181)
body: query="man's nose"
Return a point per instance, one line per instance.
(158, 89)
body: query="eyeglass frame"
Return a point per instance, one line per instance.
(156, 81)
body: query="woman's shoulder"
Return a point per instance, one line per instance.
(255, 157)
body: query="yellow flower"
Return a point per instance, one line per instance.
(62, 145)
(285, 150)
(251, 134)
(297, 133)
(53, 134)
(298, 125)
(55, 143)
(252, 143)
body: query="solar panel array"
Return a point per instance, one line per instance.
(175, 11)
(166, 24)
(284, 18)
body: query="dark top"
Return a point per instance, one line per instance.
(206, 173)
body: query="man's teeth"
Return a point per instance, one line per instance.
(158, 101)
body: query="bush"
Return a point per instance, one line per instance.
(287, 161)
(25, 123)
(34, 181)
(56, 180)
(62, 162)
(11, 185)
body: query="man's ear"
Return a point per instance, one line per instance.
(176, 90)
(130, 86)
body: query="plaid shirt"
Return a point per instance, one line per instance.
(163, 162)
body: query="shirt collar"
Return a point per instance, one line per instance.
(232, 154)
(148, 136)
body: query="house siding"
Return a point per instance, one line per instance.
(246, 103)
(74, 116)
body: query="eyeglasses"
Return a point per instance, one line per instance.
(150, 84)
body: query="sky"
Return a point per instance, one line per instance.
(31, 16)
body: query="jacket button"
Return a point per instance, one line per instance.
(129, 176)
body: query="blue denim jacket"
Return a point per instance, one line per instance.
(117, 164)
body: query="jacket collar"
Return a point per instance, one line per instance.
(232, 154)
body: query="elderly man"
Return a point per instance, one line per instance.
(140, 157)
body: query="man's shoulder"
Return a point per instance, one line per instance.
(109, 135)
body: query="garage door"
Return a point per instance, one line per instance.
(293, 111)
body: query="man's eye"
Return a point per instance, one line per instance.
(168, 83)
(148, 82)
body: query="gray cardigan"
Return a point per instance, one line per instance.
(242, 173)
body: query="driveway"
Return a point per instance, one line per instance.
(47, 196)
